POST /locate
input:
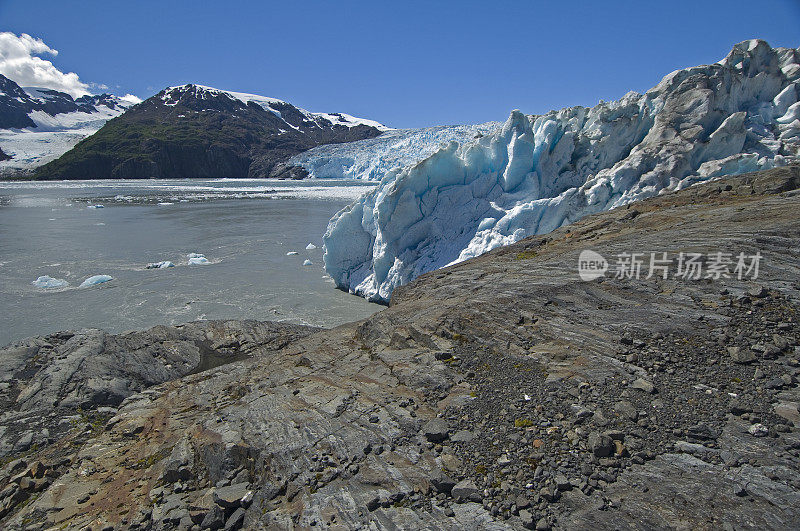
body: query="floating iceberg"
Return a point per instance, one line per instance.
(308, 263)
(48, 282)
(160, 265)
(291, 253)
(94, 280)
(310, 246)
(95, 206)
(197, 259)
(538, 173)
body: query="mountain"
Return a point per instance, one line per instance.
(38, 125)
(538, 173)
(197, 131)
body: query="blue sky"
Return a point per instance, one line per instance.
(406, 64)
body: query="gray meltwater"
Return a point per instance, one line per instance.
(244, 228)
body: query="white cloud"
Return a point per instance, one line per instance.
(19, 63)
(131, 98)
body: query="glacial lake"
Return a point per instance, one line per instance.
(244, 228)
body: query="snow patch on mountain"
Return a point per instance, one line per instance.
(537, 173)
(54, 122)
(370, 159)
(172, 95)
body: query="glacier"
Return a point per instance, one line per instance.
(537, 173)
(371, 158)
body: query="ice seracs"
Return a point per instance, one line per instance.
(95, 280)
(537, 173)
(48, 282)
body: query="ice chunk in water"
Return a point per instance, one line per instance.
(308, 262)
(291, 253)
(160, 265)
(197, 259)
(310, 246)
(48, 282)
(94, 280)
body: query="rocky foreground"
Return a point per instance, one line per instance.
(503, 392)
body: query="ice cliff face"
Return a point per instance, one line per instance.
(373, 157)
(537, 173)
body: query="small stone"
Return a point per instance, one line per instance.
(643, 385)
(235, 520)
(442, 482)
(462, 436)
(739, 355)
(581, 412)
(543, 525)
(231, 496)
(626, 410)
(759, 292)
(214, 519)
(526, 518)
(436, 430)
(601, 445)
(466, 490)
(562, 483)
(788, 411)
(522, 502)
(758, 430)
(451, 463)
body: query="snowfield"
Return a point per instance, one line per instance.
(537, 173)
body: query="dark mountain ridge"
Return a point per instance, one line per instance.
(16, 103)
(195, 131)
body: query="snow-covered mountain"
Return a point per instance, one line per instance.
(198, 131)
(537, 173)
(173, 96)
(373, 157)
(38, 125)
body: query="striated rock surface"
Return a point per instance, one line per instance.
(499, 393)
(538, 173)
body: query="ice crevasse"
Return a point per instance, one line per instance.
(537, 173)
